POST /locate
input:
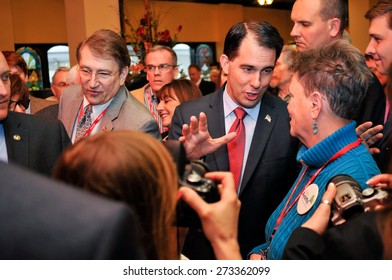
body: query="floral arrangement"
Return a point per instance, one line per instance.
(145, 34)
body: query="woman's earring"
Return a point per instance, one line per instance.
(315, 128)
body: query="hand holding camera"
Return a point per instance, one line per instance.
(351, 200)
(208, 200)
(193, 177)
(219, 219)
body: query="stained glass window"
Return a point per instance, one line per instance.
(33, 62)
(204, 57)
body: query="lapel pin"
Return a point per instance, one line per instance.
(268, 118)
(17, 137)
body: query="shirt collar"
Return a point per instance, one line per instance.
(229, 105)
(97, 109)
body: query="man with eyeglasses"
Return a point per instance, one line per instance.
(161, 69)
(27, 140)
(102, 102)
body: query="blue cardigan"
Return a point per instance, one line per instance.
(357, 163)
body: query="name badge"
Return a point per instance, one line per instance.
(307, 199)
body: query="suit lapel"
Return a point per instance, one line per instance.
(265, 123)
(113, 110)
(16, 138)
(216, 127)
(73, 108)
(386, 131)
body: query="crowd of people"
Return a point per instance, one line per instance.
(93, 173)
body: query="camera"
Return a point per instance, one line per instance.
(206, 188)
(191, 174)
(351, 200)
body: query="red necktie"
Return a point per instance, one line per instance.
(236, 147)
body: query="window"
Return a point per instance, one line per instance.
(183, 52)
(33, 62)
(58, 56)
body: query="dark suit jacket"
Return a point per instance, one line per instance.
(373, 106)
(356, 239)
(50, 112)
(206, 87)
(34, 142)
(44, 219)
(384, 158)
(270, 168)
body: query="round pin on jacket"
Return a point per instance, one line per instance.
(307, 199)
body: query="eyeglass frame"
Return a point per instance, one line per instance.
(164, 67)
(100, 75)
(23, 104)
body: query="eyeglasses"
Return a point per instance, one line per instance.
(164, 68)
(23, 104)
(99, 75)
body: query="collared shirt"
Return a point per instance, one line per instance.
(198, 82)
(28, 110)
(3, 146)
(249, 121)
(387, 106)
(97, 110)
(151, 102)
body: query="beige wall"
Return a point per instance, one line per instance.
(278, 18)
(6, 21)
(221, 17)
(70, 21)
(39, 21)
(358, 25)
(83, 17)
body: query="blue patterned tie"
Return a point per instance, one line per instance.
(84, 123)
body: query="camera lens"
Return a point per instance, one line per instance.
(193, 178)
(368, 192)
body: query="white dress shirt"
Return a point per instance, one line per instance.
(3, 146)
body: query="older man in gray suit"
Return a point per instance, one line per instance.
(102, 102)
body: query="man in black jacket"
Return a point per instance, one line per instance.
(48, 220)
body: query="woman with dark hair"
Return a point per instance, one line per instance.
(173, 94)
(20, 95)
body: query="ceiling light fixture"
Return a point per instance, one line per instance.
(265, 2)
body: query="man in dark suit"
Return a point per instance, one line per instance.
(269, 165)
(380, 48)
(25, 139)
(206, 87)
(47, 220)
